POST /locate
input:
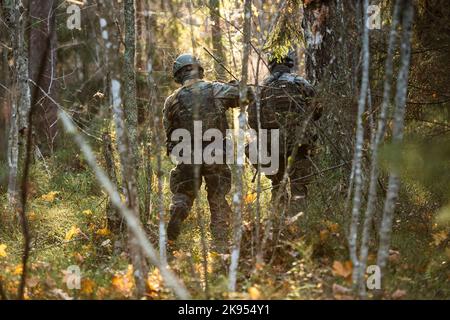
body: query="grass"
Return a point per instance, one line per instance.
(303, 268)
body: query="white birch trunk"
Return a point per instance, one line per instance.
(397, 134)
(357, 160)
(379, 135)
(237, 198)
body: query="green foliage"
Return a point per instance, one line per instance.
(285, 34)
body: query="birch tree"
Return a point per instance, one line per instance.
(238, 196)
(129, 74)
(130, 190)
(397, 134)
(21, 99)
(357, 159)
(374, 167)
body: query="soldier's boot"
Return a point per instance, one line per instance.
(179, 210)
(220, 223)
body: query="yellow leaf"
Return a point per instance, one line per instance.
(254, 293)
(32, 215)
(18, 270)
(124, 282)
(154, 283)
(71, 233)
(250, 198)
(439, 237)
(87, 212)
(87, 286)
(49, 197)
(324, 235)
(342, 269)
(103, 232)
(3, 250)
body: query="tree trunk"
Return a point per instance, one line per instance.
(238, 196)
(130, 190)
(21, 103)
(42, 32)
(216, 33)
(129, 74)
(397, 134)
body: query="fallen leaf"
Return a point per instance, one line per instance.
(323, 235)
(103, 232)
(61, 294)
(254, 293)
(73, 231)
(250, 198)
(3, 253)
(342, 269)
(32, 216)
(18, 270)
(87, 212)
(154, 283)
(439, 237)
(338, 289)
(49, 197)
(124, 282)
(87, 286)
(398, 294)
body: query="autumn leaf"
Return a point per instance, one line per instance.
(254, 293)
(323, 235)
(398, 294)
(249, 198)
(87, 212)
(124, 282)
(32, 215)
(3, 253)
(87, 286)
(71, 233)
(103, 232)
(49, 197)
(18, 270)
(342, 269)
(154, 283)
(439, 237)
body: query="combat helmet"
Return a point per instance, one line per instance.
(183, 60)
(287, 60)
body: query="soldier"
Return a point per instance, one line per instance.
(206, 101)
(285, 103)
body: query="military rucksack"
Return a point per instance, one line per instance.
(283, 106)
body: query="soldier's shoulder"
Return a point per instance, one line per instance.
(170, 99)
(300, 80)
(304, 83)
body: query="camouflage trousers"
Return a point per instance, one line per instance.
(299, 177)
(185, 186)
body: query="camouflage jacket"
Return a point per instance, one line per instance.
(285, 102)
(212, 100)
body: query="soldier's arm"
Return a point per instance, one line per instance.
(228, 94)
(310, 93)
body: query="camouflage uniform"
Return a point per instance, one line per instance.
(284, 105)
(212, 100)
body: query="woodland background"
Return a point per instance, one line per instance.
(110, 79)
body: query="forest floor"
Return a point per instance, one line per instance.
(68, 227)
